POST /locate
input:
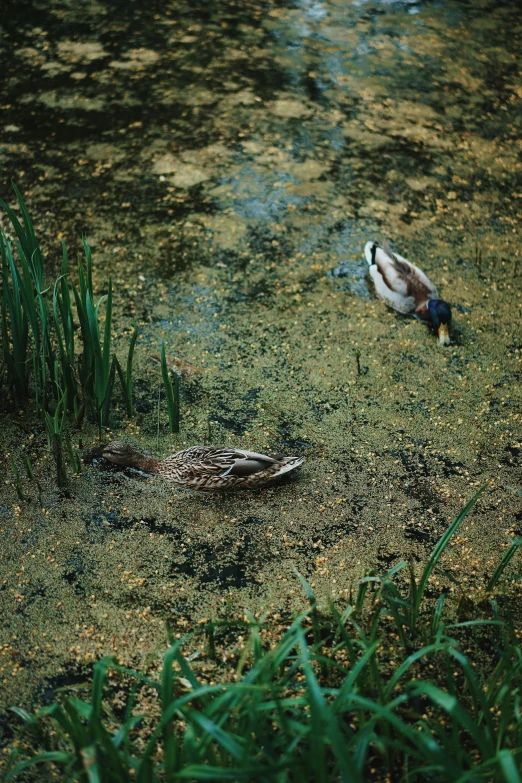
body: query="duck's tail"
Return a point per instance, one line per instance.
(370, 249)
(287, 464)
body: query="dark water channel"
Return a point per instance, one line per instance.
(228, 162)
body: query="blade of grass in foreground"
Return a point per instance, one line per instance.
(318, 714)
(437, 554)
(499, 570)
(40, 758)
(167, 697)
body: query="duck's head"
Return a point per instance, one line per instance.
(440, 316)
(122, 454)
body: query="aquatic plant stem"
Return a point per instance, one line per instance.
(171, 385)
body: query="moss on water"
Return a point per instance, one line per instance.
(228, 166)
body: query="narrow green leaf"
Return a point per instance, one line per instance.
(507, 557)
(41, 758)
(439, 549)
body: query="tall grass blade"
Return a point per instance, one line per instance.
(64, 331)
(14, 322)
(510, 768)
(41, 758)
(437, 552)
(506, 559)
(171, 385)
(126, 378)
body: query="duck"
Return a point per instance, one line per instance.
(403, 286)
(206, 468)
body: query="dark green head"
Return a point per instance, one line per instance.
(440, 316)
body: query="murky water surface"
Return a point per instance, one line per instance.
(228, 162)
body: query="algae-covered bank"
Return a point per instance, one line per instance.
(228, 162)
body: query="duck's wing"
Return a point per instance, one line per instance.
(399, 282)
(389, 278)
(404, 304)
(212, 461)
(416, 277)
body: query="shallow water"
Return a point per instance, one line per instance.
(228, 165)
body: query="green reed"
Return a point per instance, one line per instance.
(126, 377)
(65, 333)
(171, 383)
(54, 427)
(74, 459)
(31, 280)
(15, 324)
(44, 353)
(340, 702)
(96, 366)
(24, 309)
(38, 328)
(405, 608)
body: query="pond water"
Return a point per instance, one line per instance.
(228, 162)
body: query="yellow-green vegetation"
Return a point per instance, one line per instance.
(228, 163)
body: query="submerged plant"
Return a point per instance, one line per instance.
(358, 360)
(31, 476)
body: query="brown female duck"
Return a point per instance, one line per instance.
(206, 468)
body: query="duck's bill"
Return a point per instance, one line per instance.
(443, 332)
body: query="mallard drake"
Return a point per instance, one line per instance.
(406, 288)
(206, 468)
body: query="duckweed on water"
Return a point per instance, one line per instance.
(228, 163)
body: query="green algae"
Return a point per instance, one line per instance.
(220, 182)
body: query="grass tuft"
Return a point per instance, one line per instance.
(336, 698)
(44, 354)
